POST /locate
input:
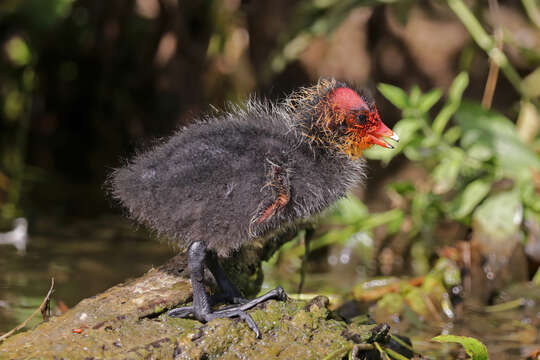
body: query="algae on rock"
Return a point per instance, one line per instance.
(129, 321)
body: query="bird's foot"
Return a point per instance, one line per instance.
(227, 299)
(231, 311)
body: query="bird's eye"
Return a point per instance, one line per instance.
(361, 118)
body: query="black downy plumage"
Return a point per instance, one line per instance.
(248, 174)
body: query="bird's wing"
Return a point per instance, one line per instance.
(280, 193)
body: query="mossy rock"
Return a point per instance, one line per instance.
(128, 321)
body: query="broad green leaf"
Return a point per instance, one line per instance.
(414, 151)
(499, 216)
(474, 348)
(395, 95)
(428, 100)
(495, 131)
(471, 196)
(445, 174)
(406, 129)
(480, 152)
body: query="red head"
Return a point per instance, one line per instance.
(334, 114)
(360, 117)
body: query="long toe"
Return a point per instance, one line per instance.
(232, 311)
(181, 312)
(277, 294)
(236, 312)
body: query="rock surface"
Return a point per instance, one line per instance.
(128, 321)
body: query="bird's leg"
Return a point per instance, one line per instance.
(201, 302)
(229, 292)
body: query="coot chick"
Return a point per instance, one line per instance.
(247, 175)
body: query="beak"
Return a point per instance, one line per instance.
(383, 131)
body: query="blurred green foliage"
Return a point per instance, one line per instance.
(465, 160)
(18, 78)
(474, 348)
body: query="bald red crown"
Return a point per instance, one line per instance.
(348, 99)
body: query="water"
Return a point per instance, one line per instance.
(85, 258)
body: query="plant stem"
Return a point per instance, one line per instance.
(532, 10)
(483, 40)
(493, 75)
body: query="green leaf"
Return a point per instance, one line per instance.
(406, 129)
(428, 100)
(452, 135)
(395, 95)
(480, 152)
(474, 348)
(454, 99)
(495, 131)
(414, 95)
(499, 216)
(458, 87)
(378, 219)
(445, 174)
(443, 117)
(471, 196)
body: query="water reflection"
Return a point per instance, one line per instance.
(84, 257)
(17, 237)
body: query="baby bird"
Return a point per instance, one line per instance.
(247, 175)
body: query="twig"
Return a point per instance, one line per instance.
(41, 309)
(493, 74)
(509, 305)
(307, 238)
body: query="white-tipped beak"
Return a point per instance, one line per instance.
(394, 137)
